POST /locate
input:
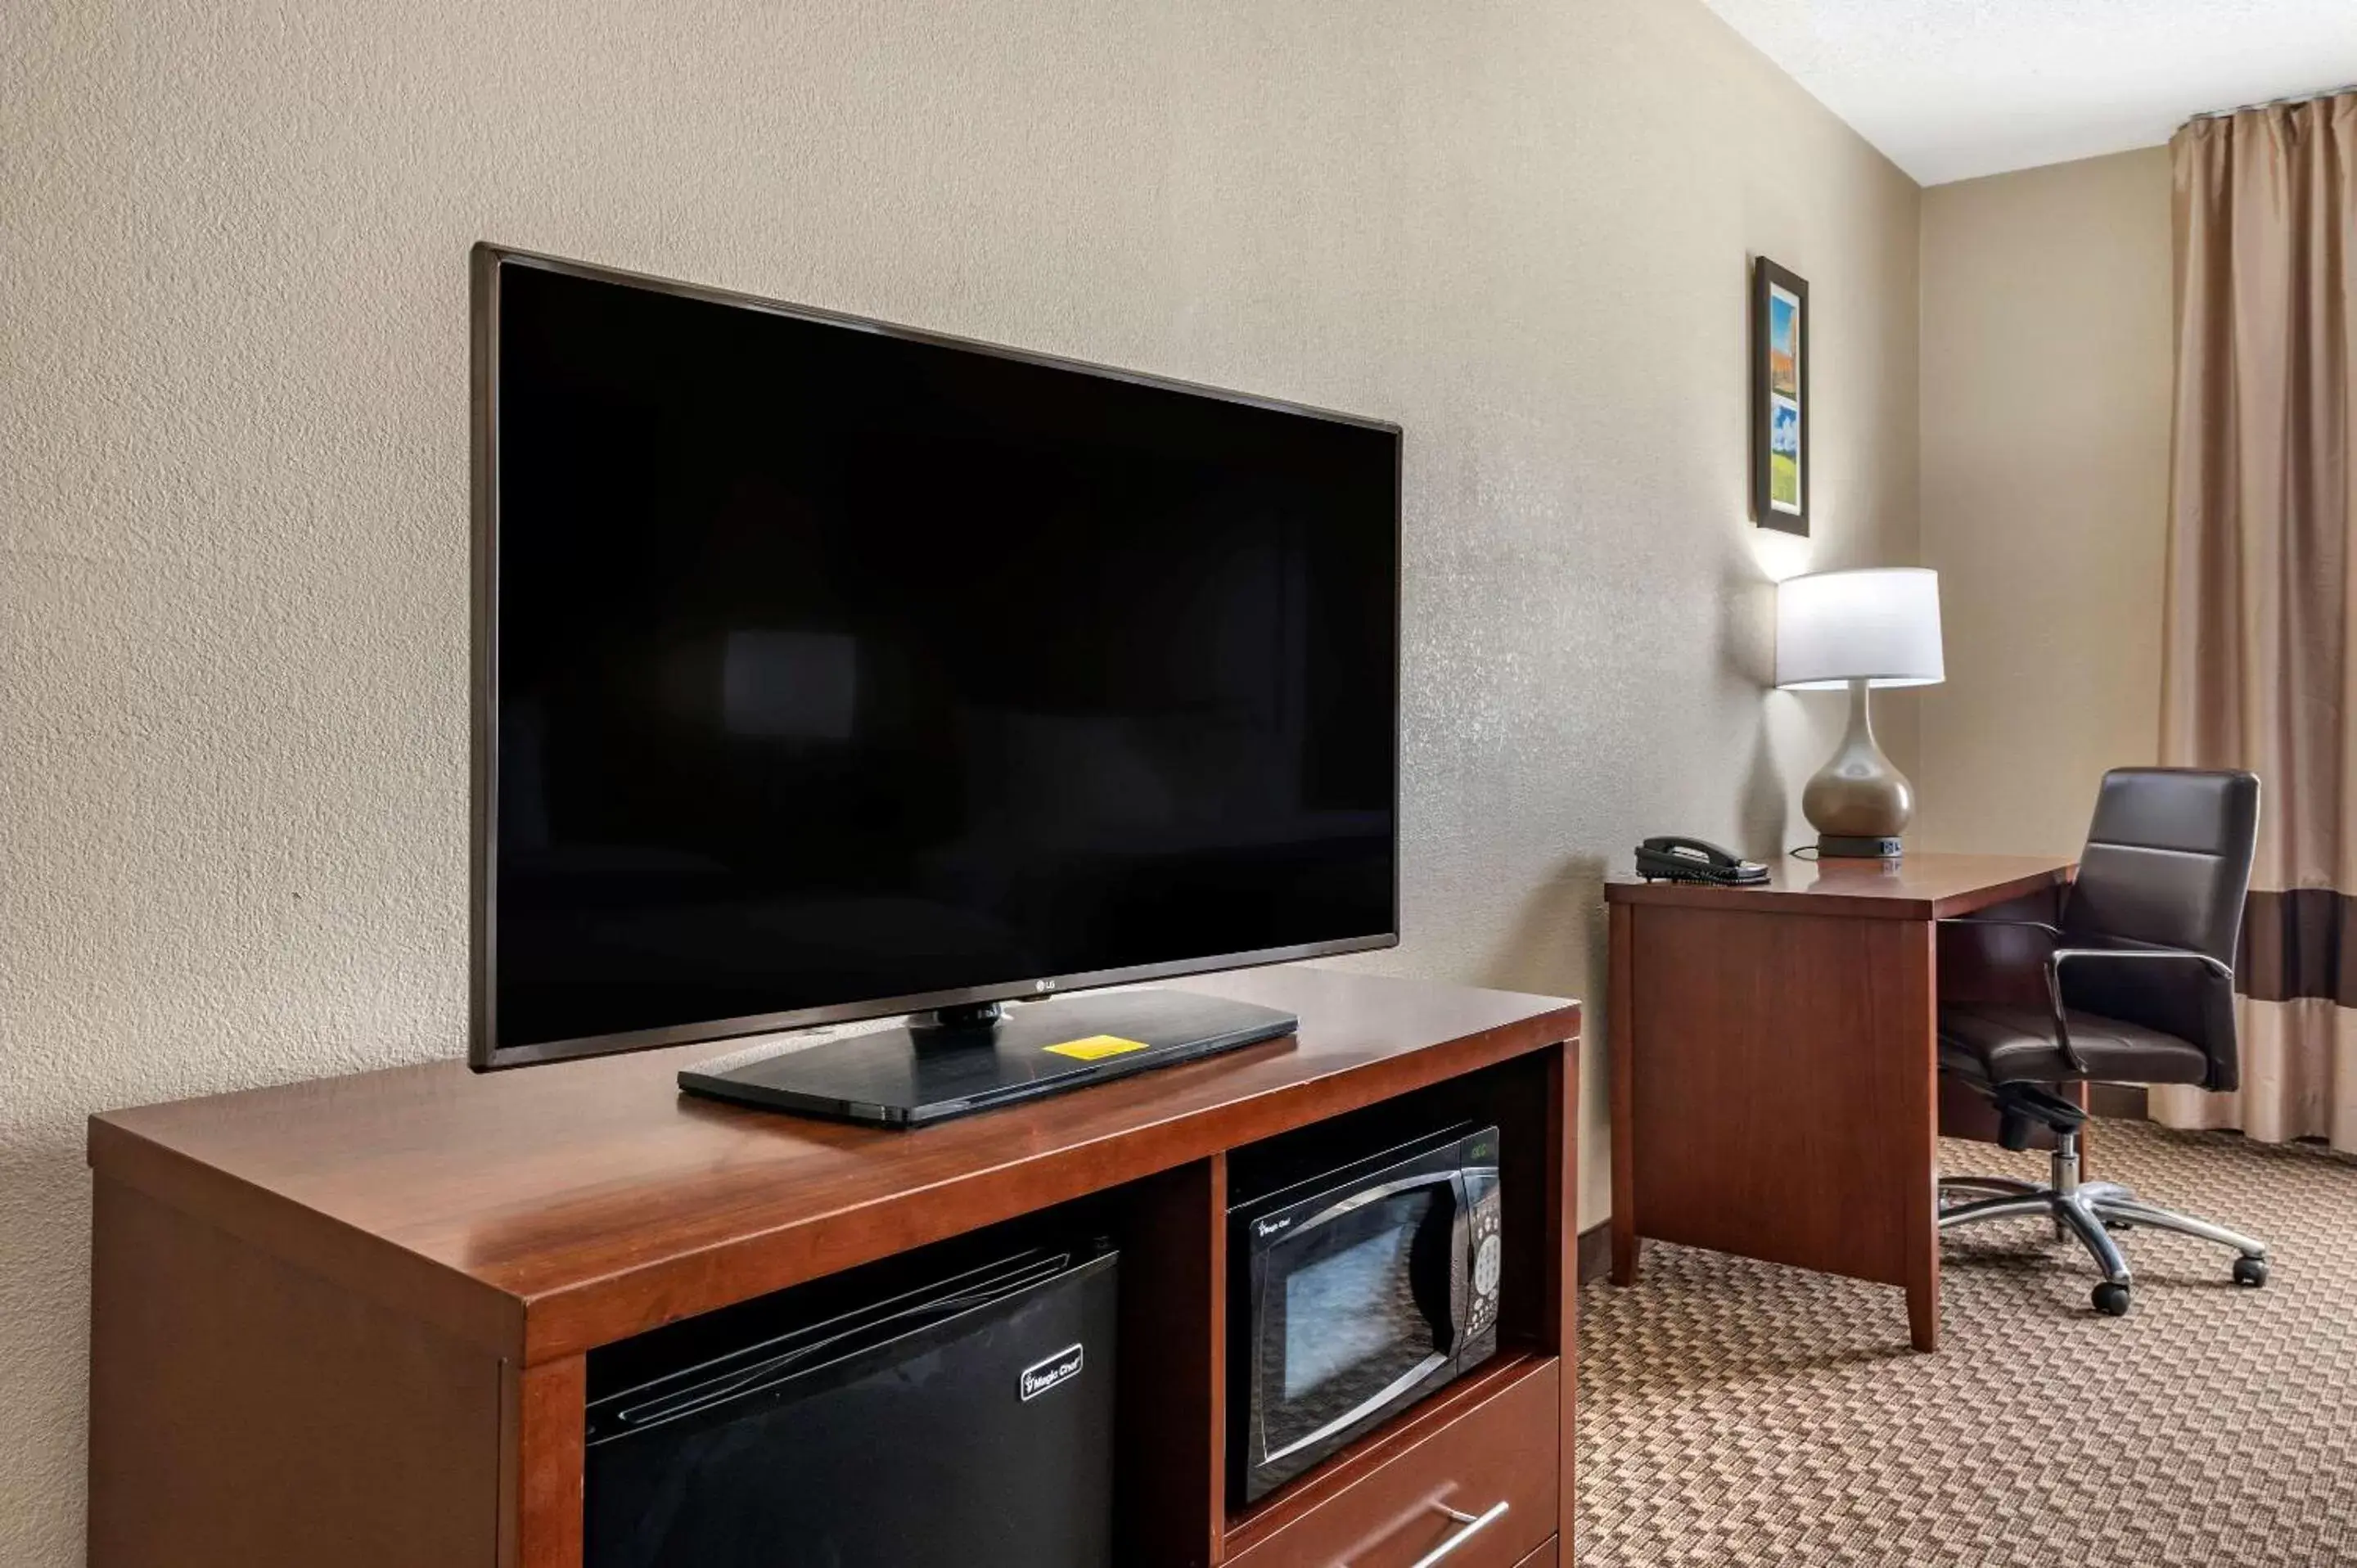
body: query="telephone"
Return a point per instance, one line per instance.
(1680, 859)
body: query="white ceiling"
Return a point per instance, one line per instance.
(1951, 89)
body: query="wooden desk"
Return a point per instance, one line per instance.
(347, 1321)
(1774, 1068)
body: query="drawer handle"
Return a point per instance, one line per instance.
(1474, 1525)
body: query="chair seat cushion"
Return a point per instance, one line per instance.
(2016, 1044)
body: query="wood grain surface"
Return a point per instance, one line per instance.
(347, 1321)
(1170, 1469)
(246, 1413)
(1780, 1101)
(1775, 1084)
(1487, 1440)
(547, 1210)
(1919, 888)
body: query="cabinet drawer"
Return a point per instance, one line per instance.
(1500, 1450)
(1543, 1558)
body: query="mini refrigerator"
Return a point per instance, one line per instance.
(941, 1413)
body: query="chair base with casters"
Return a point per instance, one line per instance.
(2091, 1211)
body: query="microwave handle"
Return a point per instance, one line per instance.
(1460, 1260)
(1453, 1180)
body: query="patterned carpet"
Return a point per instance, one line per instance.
(1734, 1412)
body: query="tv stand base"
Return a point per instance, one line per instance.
(958, 1061)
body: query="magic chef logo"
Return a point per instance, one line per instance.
(1060, 1367)
(1271, 1227)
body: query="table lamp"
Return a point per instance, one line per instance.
(1875, 626)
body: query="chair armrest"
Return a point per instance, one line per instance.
(2052, 931)
(2060, 956)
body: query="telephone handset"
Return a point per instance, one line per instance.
(1681, 859)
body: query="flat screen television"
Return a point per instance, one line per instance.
(828, 669)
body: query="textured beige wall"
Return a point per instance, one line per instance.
(2045, 451)
(233, 503)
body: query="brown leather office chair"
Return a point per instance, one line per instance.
(2140, 989)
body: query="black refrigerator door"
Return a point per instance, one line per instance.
(981, 1439)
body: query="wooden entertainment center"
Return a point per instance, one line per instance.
(346, 1322)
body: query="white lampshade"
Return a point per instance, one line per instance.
(1880, 624)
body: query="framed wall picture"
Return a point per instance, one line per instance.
(1779, 398)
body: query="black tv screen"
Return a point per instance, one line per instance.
(827, 670)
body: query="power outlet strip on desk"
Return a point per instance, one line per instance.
(351, 1320)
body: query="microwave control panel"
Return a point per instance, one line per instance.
(1485, 1249)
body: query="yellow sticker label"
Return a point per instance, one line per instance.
(1096, 1047)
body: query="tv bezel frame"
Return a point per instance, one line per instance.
(484, 1051)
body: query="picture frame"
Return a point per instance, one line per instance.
(1781, 411)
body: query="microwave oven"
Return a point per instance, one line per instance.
(1354, 1294)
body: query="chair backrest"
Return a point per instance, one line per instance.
(2167, 863)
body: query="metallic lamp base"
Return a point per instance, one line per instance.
(1858, 797)
(1837, 846)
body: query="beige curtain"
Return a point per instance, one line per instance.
(2260, 655)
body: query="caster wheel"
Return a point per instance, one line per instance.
(2111, 1300)
(2251, 1272)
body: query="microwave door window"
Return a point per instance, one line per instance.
(1349, 1328)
